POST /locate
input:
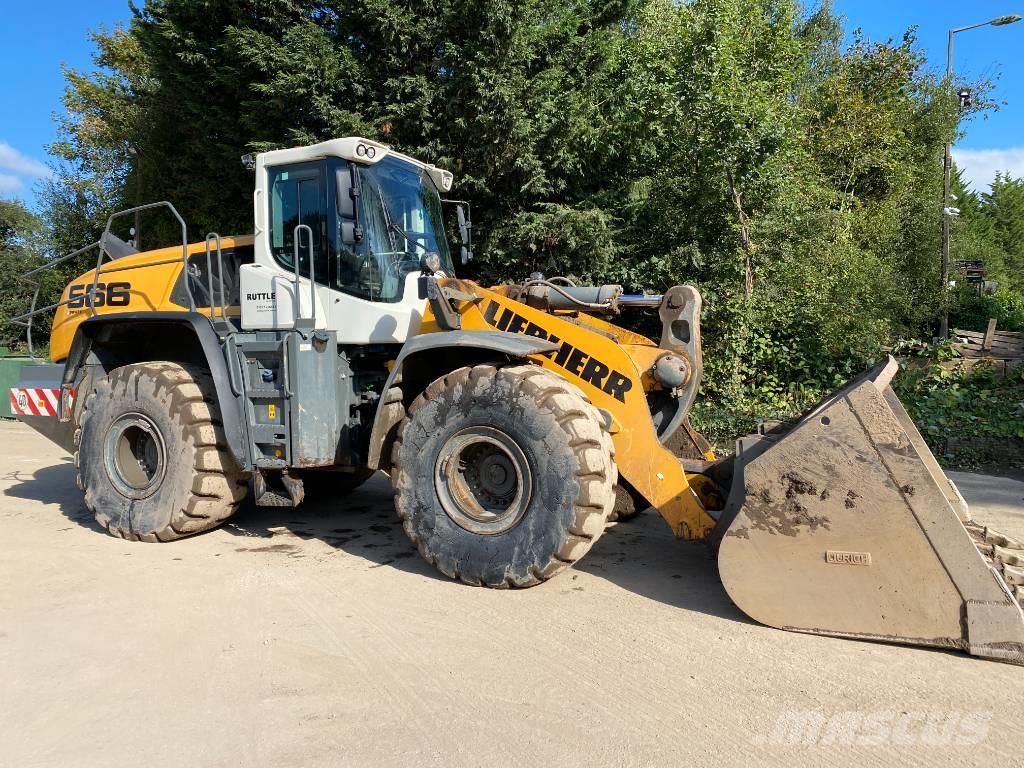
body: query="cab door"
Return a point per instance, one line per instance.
(298, 227)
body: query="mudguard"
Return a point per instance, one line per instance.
(88, 346)
(391, 412)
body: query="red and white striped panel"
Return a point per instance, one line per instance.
(26, 401)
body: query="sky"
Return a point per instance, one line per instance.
(994, 142)
(35, 48)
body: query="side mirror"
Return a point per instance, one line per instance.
(462, 213)
(347, 190)
(345, 183)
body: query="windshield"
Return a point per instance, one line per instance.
(401, 219)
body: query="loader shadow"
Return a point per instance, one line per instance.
(362, 524)
(643, 557)
(54, 484)
(640, 556)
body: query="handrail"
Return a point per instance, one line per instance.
(126, 267)
(297, 313)
(51, 264)
(231, 358)
(184, 249)
(25, 319)
(27, 322)
(89, 297)
(19, 319)
(220, 275)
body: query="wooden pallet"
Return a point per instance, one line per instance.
(1001, 345)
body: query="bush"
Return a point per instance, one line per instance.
(972, 311)
(969, 417)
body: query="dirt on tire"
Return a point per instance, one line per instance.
(200, 484)
(570, 455)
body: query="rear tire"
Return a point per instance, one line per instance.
(503, 476)
(151, 454)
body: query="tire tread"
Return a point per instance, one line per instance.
(218, 486)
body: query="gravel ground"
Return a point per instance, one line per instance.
(316, 636)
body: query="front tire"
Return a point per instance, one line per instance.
(503, 476)
(151, 454)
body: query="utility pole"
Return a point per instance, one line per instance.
(947, 170)
(137, 236)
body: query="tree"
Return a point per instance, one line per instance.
(732, 144)
(21, 248)
(506, 94)
(1004, 208)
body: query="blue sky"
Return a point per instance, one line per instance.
(35, 47)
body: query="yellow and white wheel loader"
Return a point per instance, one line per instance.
(336, 340)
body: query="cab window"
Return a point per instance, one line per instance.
(298, 195)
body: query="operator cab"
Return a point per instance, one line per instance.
(364, 217)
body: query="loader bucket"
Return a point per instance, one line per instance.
(844, 524)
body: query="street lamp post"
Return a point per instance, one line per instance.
(137, 229)
(947, 167)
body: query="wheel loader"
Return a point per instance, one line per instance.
(336, 340)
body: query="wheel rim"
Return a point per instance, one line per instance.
(483, 480)
(134, 455)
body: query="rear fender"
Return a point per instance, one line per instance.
(103, 343)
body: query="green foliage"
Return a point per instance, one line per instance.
(1004, 206)
(991, 229)
(978, 408)
(793, 183)
(973, 310)
(21, 249)
(506, 94)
